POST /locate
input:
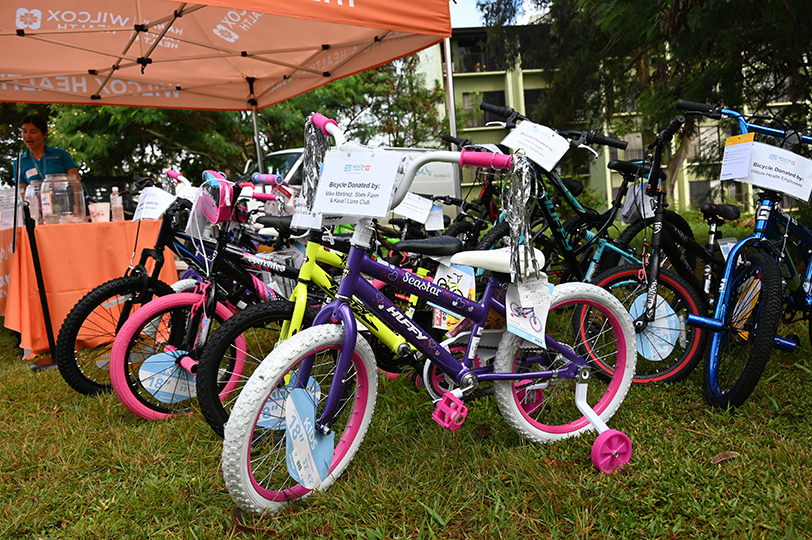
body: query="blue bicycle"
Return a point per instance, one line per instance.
(761, 285)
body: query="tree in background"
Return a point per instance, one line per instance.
(390, 105)
(607, 57)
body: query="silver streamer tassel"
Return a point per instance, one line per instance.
(518, 199)
(316, 144)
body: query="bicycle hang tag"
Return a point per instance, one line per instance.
(540, 143)
(768, 167)
(435, 220)
(357, 184)
(152, 204)
(528, 304)
(309, 454)
(414, 207)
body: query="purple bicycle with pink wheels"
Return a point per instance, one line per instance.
(302, 416)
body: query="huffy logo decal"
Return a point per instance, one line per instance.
(225, 33)
(29, 18)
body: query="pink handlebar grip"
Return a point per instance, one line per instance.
(272, 179)
(322, 122)
(264, 196)
(173, 174)
(486, 160)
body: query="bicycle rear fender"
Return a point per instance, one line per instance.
(741, 248)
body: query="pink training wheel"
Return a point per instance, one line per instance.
(611, 451)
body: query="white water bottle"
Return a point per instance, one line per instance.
(116, 206)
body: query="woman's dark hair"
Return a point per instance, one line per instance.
(38, 121)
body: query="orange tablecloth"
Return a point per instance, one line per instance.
(75, 258)
(5, 265)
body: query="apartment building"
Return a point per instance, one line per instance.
(478, 76)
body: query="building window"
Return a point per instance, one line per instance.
(705, 147)
(635, 148)
(532, 99)
(477, 117)
(471, 57)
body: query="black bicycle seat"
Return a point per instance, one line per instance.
(729, 212)
(576, 187)
(436, 245)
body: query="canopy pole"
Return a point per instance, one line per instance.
(16, 200)
(449, 77)
(252, 100)
(452, 111)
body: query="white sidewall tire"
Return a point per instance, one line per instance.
(240, 425)
(506, 351)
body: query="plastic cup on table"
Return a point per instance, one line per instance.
(99, 212)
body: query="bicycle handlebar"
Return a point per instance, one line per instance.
(591, 137)
(487, 160)
(460, 142)
(322, 122)
(268, 179)
(598, 138)
(264, 196)
(463, 157)
(668, 133)
(685, 105)
(174, 175)
(504, 112)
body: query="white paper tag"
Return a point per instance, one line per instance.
(414, 207)
(726, 244)
(780, 170)
(435, 219)
(45, 203)
(540, 143)
(152, 203)
(357, 184)
(528, 319)
(302, 219)
(736, 161)
(309, 454)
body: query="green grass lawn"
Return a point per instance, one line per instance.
(79, 467)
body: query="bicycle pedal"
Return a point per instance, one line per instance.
(450, 412)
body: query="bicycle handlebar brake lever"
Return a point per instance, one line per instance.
(590, 149)
(460, 142)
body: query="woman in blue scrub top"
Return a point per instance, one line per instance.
(36, 162)
(41, 159)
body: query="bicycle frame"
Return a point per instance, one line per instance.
(311, 272)
(462, 372)
(570, 253)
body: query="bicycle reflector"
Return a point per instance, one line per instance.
(217, 197)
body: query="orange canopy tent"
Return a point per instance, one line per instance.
(156, 53)
(226, 55)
